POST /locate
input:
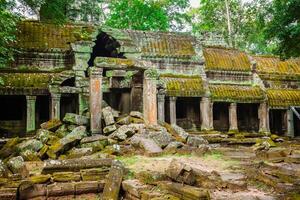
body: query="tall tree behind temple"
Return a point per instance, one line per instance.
(284, 27)
(148, 14)
(7, 33)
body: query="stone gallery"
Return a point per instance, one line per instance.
(169, 77)
(95, 113)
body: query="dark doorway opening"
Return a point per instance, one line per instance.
(42, 109)
(188, 112)
(221, 116)
(247, 115)
(277, 119)
(119, 99)
(69, 82)
(12, 116)
(69, 104)
(297, 124)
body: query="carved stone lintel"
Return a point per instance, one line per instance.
(95, 72)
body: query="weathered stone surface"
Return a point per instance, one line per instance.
(162, 138)
(39, 179)
(180, 132)
(109, 129)
(93, 138)
(113, 181)
(196, 141)
(136, 114)
(173, 146)
(51, 125)
(43, 135)
(74, 165)
(35, 191)
(96, 145)
(9, 147)
(61, 145)
(151, 177)
(60, 189)
(43, 151)
(122, 133)
(124, 120)
(181, 173)
(62, 131)
(29, 155)
(149, 146)
(94, 174)
(108, 116)
(79, 152)
(17, 166)
(76, 119)
(3, 169)
(33, 145)
(88, 187)
(8, 193)
(65, 176)
(138, 128)
(134, 187)
(185, 192)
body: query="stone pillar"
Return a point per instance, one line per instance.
(211, 112)
(161, 106)
(95, 99)
(233, 123)
(30, 119)
(263, 117)
(205, 110)
(55, 105)
(149, 98)
(290, 123)
(172, 110)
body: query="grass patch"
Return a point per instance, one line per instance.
(215, 155)
(127, 161)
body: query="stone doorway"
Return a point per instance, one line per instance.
(221, 116)
(247, 115)
(277, 119)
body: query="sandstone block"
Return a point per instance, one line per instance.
(108, 116)
(76, 119)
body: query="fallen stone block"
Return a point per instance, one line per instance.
(185, 192)
(62, 131)
(43, 151)
(74, 165)
(4, 171)
(173, 146)
(32, 144)
(60, 189)
(113, 182)
(180, 132)
(96, 145)
(43, 135)
(8, 193)
(136, 114)
(10, 147)
(162, 138)
(36, 190)
(181, 173)
(76, 119)
(94, 174)
(89, 187)
(17, 166)
(151, 177)
(134, 187)
(124, 120)
(108, 116)
(66, 176)
(109, 129)
(79, 152)
(30, 155)
(122, 133)
(148, 145)
(51, 125)
(93, 138)
(39, 179)
(196, 141)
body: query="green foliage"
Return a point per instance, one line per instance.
(284, 27)
(7, 32)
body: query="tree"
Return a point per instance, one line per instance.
(7, 32)
(284, 27)
(147, 14)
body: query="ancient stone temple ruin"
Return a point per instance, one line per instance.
(170, 77)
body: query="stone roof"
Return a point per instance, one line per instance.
(278, 98)
(153, 44)
(220, 58)
(236, 93)
(36, 36)
(182, 85)
(273, 68)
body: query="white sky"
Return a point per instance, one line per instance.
(195, 3)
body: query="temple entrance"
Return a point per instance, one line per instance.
(12, 115)
(188, 112)
(119, 99)
(297, 124)
(68, 104)
(221, 116)
(277, 119)
(247, 115)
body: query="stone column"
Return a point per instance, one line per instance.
(30, 119)
(263, 113)
(172, 110)
(149, 98)
(290, 123)
(233, 123)
(206, 115)
(161, 106)
(55, 105)
(95, 99)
